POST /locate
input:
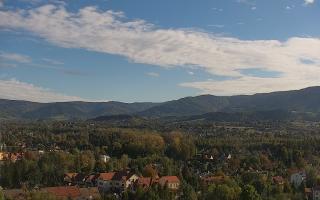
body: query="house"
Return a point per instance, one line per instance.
(116, 181)
(278, 180)
(104, 181)
(91, 180)
(79, 179)
(64, 192)
(297, 178)
(69, 178)
(316, 193)
(143, 182)
(172, 182)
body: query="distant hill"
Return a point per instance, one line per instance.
(288, 102)
(305, 100)
(12, 109)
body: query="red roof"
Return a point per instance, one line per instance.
(278, 179)
(168, 179)
(64, 191)
(106, 176)
(144, 181)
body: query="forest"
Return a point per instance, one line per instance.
(255, 159)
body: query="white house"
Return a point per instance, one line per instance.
(116, 181)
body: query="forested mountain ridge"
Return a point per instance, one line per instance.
(297, 101)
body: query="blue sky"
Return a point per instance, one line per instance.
(147, 50)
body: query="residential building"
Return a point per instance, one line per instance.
(70, 192)
(116, 181)
(297, 178)
(143, 182)
(68, 178)
(172, 182)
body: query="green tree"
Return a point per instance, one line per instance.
(188, 193)
(249, 193)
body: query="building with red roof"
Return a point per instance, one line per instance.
(72, 192)
(172, 182)
(116, 181)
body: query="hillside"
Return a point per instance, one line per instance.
(298, 101)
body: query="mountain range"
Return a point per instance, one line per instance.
(296, 101)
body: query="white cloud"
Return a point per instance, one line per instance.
(217, 9)
(110, 32)
(307, 2)
(248, 2)
(153, 74)
(216, 25)
(16, 90)
(249, 85)
(191, 73)
(15, 57)
(52, 61)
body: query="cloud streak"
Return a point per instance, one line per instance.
(141, 42)
(307, 2)
(17, 90)
(153, 74)
(15, 57)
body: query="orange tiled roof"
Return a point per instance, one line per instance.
(106, 176)
(64, 191)
(169, 179)
(144, 181)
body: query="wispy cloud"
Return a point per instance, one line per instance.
(63, 70)
(28, 62)
(153, 74)
(191, 73)
(217, 9)
(17, 90)
(247, 2)
(141, 42)
(15, 57)
(216, 25)
(307, 2)
(52, 61)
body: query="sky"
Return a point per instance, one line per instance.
(155, 51)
